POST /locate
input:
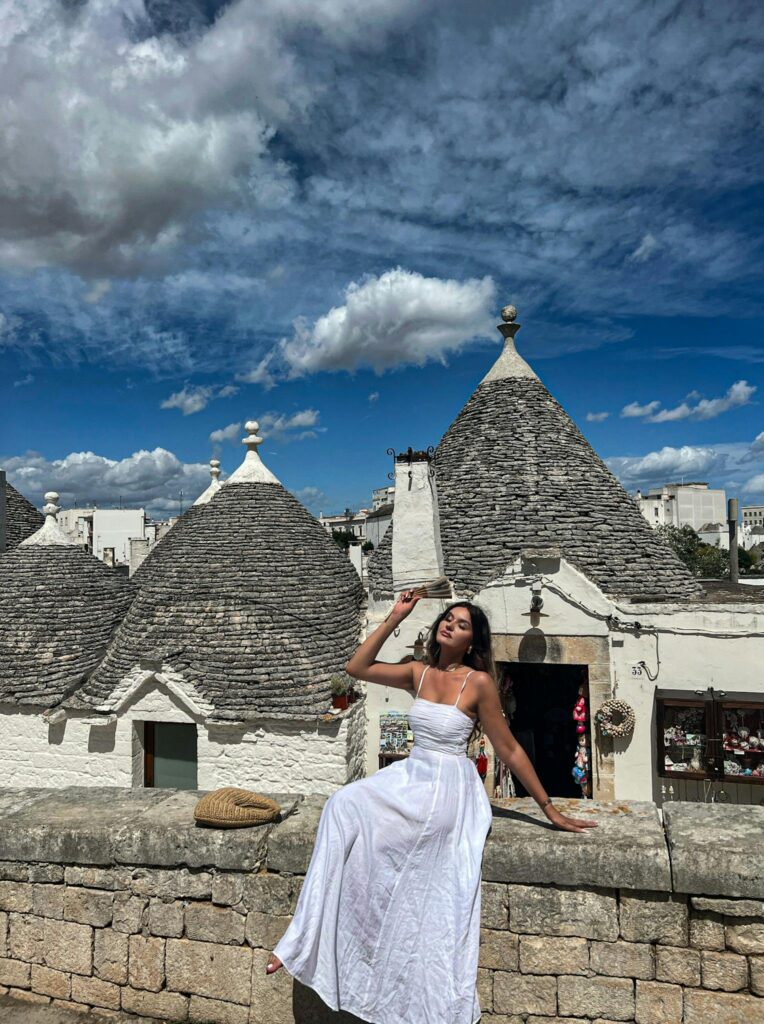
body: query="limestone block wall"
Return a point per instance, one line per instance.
(119, 903)
(304, 757)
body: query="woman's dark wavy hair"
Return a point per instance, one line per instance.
(480, 657)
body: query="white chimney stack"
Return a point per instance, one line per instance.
(417, 556)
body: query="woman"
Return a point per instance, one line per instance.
(387, 925)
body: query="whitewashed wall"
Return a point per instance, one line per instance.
(690, 661)
(276, 755)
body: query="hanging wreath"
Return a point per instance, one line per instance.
(616, 708)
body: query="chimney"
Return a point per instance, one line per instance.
(732, 520)
(417, 554)
(108, 557)
(3, 514)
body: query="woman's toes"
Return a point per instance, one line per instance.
(273, 964)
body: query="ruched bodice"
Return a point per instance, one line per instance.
(441, 727)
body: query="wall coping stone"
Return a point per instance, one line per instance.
(716, 849)
(700, 849)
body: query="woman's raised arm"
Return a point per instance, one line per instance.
(363, 665)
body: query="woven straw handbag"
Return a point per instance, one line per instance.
(235, 808)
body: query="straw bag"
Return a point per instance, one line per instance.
(235, 808)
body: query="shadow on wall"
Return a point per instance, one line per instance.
(102, 738)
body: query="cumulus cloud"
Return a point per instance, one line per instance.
(229, 433)
(738, 394)
(374, 397)
(127, 129)
(634, 409)
(596, 417)
(193, 399)
(397, 318)
(152, 480)
(297, 427)
(668, 464)
(313, 498)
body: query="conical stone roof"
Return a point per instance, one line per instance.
(248, 599)
(59, 608)
(22, 518)
(513, 471)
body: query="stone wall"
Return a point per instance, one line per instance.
(117, 902)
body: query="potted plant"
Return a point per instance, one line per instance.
(339, 685)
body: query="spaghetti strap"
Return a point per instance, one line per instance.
(420, 679)
(463, 685)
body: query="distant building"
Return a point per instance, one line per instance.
(347, 522)
(377, 523)
(716, 534)
(382, 496)
(753, 515)
(692, 504)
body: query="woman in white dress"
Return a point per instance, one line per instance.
(387, 926)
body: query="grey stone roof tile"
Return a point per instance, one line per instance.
(23, 519)
(59, 607)
(514, 471)
(250, 599)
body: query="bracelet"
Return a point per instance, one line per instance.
(547, 801)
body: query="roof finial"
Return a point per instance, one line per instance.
(214, 484)
(510, 363)
(50, 532)
(252, 470)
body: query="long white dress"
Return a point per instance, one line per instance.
(387, 926)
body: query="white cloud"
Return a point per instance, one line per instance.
(737, 395)
(229, 433)
(755, 485)
(194, 398)
(668, 464)
(634, 409)
(645, 249)
(313, 498)
(374, 396)
(297, 427)
(125, 131)
(397, 318)
(596, 417)
(24, 381)
(148, 479)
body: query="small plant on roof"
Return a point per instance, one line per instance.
(339, 684)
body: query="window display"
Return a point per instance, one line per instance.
(710, 734)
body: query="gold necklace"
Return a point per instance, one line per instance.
(453, 666)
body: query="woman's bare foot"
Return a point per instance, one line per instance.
(273, 964)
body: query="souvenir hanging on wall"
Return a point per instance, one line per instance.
(580, 769)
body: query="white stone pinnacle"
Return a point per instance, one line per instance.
(510, 363)
(214, 485)
(252, 470)
(50, 532)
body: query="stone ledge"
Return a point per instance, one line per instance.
(627, 850)
(715, 849)
(109, 825)
(704, 850)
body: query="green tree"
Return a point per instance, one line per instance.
(701, 559)
(745, 560)
(343, 538)
(367, 546)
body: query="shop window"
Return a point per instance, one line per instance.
(711, 734)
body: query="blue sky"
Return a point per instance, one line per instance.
(312, 214)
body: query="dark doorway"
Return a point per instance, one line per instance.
(538, 702)
(169, 755)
